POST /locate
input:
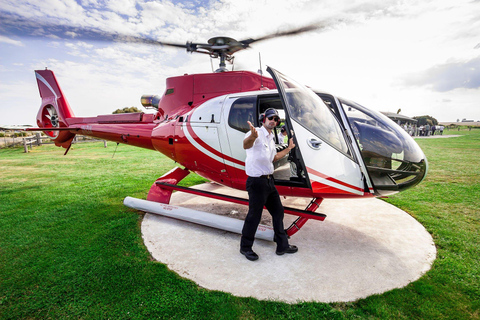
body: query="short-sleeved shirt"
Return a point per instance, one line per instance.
(260, 156)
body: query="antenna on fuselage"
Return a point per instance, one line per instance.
(260, 70)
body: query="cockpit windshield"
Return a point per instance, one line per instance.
(306, 108)
(394, 160)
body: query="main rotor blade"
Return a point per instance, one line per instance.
(12, 24)
(22, 27)
(292, 32)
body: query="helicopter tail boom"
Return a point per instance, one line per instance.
(58, 121)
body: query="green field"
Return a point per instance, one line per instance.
(69, 248)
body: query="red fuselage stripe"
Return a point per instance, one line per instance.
(321, 175)
(206, 146)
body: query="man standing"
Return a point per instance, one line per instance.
(261, 154)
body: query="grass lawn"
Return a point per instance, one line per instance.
(69, 248)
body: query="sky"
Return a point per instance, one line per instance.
(422, 57)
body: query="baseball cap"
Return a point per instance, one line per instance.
(271, 112)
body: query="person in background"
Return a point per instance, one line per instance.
(282, 134)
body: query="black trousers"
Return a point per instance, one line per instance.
(262, 192)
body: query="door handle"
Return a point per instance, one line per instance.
(314, 143)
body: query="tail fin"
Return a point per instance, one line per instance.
(54, 110)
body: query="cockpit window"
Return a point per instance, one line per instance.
(378, 135)
(306, 108)
(242, 110)
(393, 159)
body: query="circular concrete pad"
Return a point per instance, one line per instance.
(363, 247)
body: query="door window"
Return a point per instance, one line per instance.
(242, 110)
(309, 110)
(324, 154)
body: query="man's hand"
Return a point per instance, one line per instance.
(253, 130)
(250, 140)
(291, 145)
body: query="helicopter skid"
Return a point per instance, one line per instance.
(309, 213)
(195, 216)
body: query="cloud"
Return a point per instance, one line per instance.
(449, 76)
(124, 7)
(11, 41)
(195, 20)
(363, 48)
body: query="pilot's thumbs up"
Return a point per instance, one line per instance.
(253, 130)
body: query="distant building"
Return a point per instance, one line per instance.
(400, 118)
(461, 123)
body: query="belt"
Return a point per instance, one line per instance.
(267, 176)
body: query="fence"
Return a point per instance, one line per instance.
(37, 140)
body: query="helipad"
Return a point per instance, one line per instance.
(363, 247)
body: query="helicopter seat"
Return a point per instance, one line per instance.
(283, 162)
(281, 147)
(284, 159)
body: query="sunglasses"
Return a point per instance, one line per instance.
(273, 117)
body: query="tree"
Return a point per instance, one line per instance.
(126, 110)
(423, 120)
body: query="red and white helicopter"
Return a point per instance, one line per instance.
(344, 150)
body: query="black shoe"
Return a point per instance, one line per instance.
(249, 254)
(289, 249)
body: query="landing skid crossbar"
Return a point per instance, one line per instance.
(219, 196)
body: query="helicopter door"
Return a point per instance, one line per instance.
(335, 104)
(322, 146)
(288, 171)
(197, 142)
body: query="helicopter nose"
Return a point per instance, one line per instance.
(388, 179)
(394, 160)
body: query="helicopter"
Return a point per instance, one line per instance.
(343, 149)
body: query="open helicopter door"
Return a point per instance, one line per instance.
(337, 109)
(325, 153)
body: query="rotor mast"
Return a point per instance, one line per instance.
(222, 65)
(219, 47)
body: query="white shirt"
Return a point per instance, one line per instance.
(260, 156)
(281, 138)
